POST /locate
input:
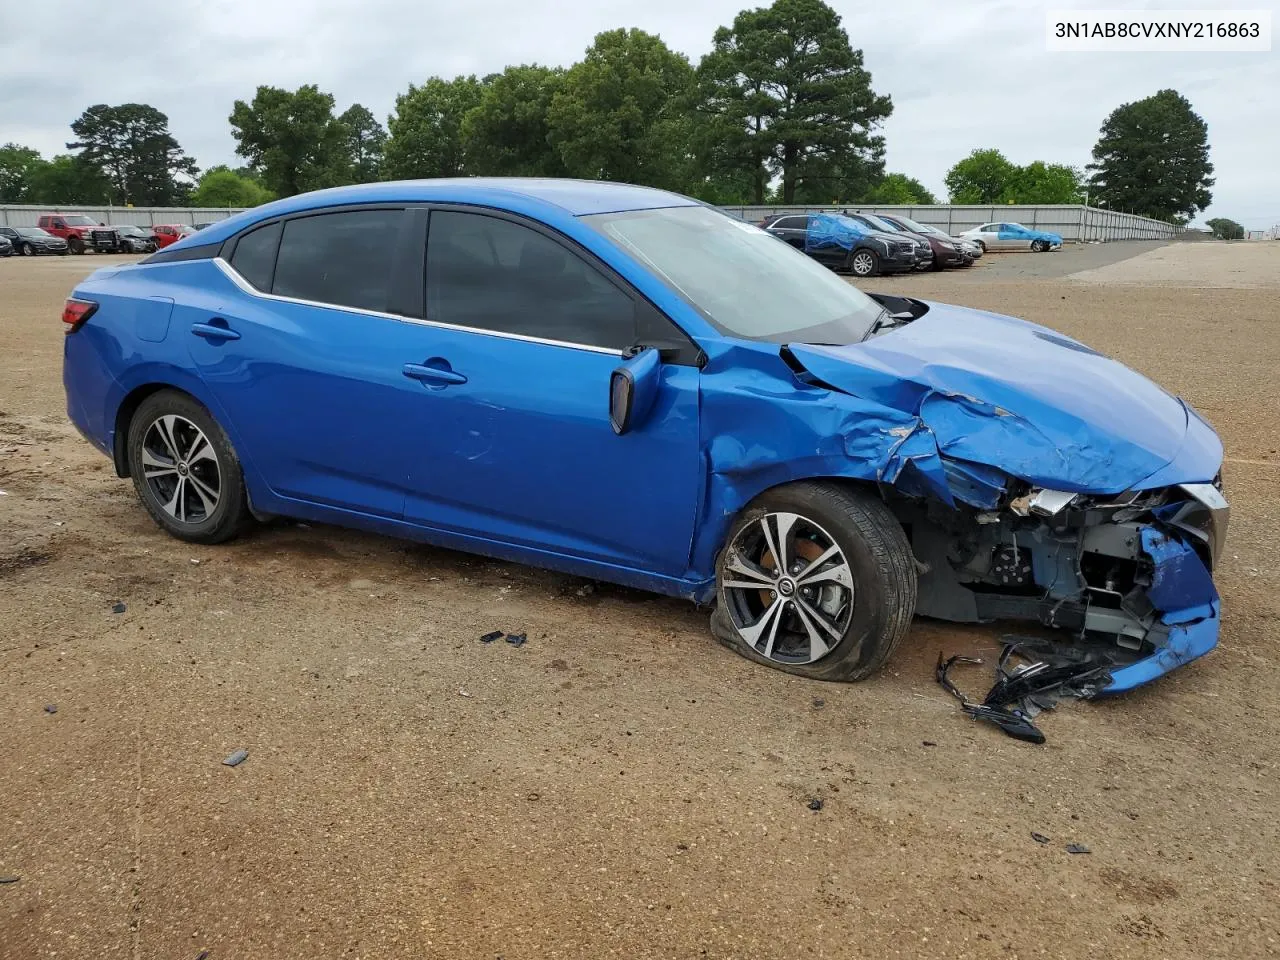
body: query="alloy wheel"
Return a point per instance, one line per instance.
(863, 264)
(181, 469)
(788, 588)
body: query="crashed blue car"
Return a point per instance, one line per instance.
(624, 384)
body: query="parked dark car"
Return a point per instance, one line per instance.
(135, 239)
(866, 252)
(924, 250)
(6, 248)
(946, 251)
(29, 241)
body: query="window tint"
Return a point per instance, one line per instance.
(493, 274)
(255, 256)
(792, 223)
(339, 258)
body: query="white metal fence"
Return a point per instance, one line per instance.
(1072, 221)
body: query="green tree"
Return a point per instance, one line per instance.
(292, 138)
(507, 134)
(1225, 229)
(1040, 182)
(222, 187)
(1152, 158)
(985, 176)
(18, 165)
(784, 94)
(133, 148)
(425, 132)
(366, 139)
(68, 179)
(621, 112)
(899, 188)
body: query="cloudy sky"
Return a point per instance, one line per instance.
(974, 73)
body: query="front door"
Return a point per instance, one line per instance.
(511, 439)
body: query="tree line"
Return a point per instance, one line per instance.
(780, 110)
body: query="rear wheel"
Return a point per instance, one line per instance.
(864, 263)
(816, 579)
(185, 470)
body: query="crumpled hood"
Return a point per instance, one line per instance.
(1010, 394)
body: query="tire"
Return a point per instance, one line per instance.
(75, 245)
(1039, 246)
(981, 246)
(169, 423)
(26, 250)
(864, 263)
(866, 622)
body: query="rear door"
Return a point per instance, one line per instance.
(510, 436)
(792, 229)
(304, 346)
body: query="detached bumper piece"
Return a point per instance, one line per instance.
(1129, 578)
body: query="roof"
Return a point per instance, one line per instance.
(548, 197)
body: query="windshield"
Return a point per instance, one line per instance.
(129, 230)
(80, 220)
(33, 232)
(879, 224)
(744, 281)
(926, 228)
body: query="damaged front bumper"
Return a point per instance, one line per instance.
(1128, 576)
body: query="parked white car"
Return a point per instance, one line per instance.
(1012, 236)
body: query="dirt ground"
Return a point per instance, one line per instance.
(620, 786)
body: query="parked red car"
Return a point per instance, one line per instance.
(167, 233)
(81, 233)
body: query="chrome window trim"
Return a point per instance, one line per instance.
(246, 287)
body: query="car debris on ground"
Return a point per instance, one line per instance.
(1043, 672)
(235, 759)
(118, 607)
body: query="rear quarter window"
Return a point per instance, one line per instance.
(255, 256)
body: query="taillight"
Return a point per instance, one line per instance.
(76, 312)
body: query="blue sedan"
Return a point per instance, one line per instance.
(625, 384)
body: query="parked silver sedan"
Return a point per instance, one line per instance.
(1012, 236)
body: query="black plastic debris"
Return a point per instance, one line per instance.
(818, 703)
(1077, 848)
(118, 607)
(236, 758)
(204, 954)
(927, 743)
(490, 637)
(1031, 675)
(815, 804)
(50, 708)
(1010, 721)
(1039, 837)
(516, 639)
(9, 879)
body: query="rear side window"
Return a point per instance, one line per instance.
(493, 274)
(792, 223)
(342, 259)
(255, 256)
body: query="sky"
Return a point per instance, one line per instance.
(962, 75)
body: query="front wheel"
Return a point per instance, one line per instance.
(816, 579)
(864, 263)
(185, 470)
(26, 250)
(75, 245)
(1039, 246)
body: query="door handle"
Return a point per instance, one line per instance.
(215, 329)
(438, 375)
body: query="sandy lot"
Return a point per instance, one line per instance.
(621, 786)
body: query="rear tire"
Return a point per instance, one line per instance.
(858, 627)
(185, 470)
(864, 263)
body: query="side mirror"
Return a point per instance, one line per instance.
(633, 387)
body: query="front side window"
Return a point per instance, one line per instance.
(342, 258)
(740, 279)
(493, 274)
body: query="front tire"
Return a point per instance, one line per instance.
(864, 263)
(75, 245)
(816, 579)
(1039, 246)
(26, 250)
(185, 469)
